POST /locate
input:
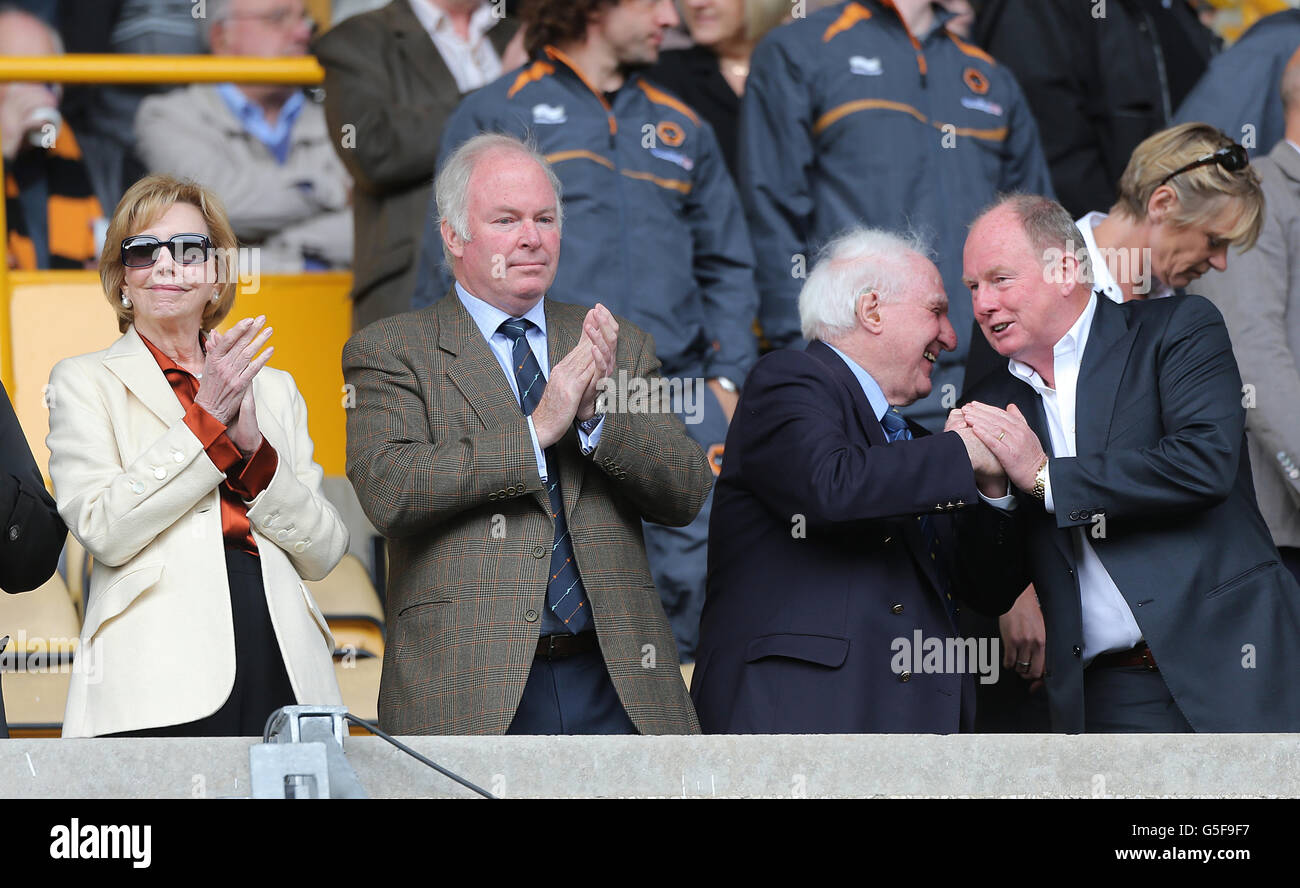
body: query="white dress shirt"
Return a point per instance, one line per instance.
(1103, 277)
(472, 62)
(1108, 623)
(489, 318)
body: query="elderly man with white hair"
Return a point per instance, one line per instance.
(832, 550)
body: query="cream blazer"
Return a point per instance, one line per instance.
(138, 490)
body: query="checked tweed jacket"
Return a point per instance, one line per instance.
(441, 459)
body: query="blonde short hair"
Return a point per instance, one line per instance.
(1201, 192)
(762, 16)
(143, 203)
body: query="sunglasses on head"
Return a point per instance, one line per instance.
(1233, 159)
(142, 250)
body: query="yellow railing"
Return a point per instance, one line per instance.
(131, 69)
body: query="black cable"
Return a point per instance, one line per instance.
(374, 729)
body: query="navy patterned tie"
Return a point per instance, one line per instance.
(896, 430)
(565, 595)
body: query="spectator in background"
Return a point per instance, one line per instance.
(710, 76)
(1239, 91)
(104, 116)
(1098, 84)
(874, 113)
(1259, 295)
(50, 210)
(392, 78)
(655, 229)
(264, 149)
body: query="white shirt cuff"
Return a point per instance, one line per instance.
(589, 443)
(537, 450)
(1047, 491)
(1005, 503)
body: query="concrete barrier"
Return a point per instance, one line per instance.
(822, 766)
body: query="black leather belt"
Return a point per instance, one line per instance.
(557, 647)
(1138, 655)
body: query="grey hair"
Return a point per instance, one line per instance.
(861, 260)
(214, 11)
(451, 188)
(15, 9)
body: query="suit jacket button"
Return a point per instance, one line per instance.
(137, 488)
(492, 496)
(896, 609)
(1077, 651)
(904, 677)
(530, 615)
(160, 473)
(539, 551)
(1074, 516)
(13, 532)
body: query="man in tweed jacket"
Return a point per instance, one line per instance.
(453, 469)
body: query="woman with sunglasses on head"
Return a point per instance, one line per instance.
(184, 466)
(1187, 194)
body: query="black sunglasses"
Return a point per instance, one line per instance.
(142, 250)
(1233, 159)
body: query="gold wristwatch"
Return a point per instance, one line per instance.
(1040, 482)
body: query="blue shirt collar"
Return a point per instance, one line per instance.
(488, 317)
(870, 387)
(249, 114)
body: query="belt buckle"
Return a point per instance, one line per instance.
(1147, 660)
(550, 647)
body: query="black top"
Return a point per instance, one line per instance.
(693, 75)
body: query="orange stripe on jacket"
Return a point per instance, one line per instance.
(660, 97)
(852, 14)
(534, 72)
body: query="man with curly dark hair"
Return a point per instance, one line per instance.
(653, 227)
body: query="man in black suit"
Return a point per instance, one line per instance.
(32, 533)
(1121, 428)
(829, 606)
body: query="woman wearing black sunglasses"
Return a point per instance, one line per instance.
(183, 465)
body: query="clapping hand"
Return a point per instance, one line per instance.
(230, 363)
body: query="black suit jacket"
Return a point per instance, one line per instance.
(817, 563)
(32, 533)
(1162, 485)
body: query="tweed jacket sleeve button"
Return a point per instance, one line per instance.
(492, 497)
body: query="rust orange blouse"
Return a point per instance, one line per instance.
(245, 478)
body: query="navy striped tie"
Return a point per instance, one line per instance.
(896, 430)
(565, 595)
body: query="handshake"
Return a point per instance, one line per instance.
(1000, 444)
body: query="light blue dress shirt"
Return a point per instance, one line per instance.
(870, 387)
(489, 318)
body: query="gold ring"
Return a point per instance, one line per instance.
(1001, 433)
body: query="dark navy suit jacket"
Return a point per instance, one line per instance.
(817, 562)
(1162, 484)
